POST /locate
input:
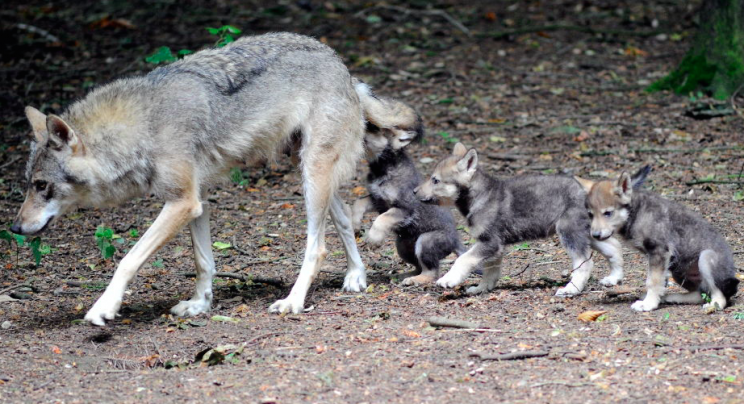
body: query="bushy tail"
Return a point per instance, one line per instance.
(387, 113)
(640, 176)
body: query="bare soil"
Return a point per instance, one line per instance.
(541, 102)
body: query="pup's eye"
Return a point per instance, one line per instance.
(40, 185)
(434, 180)
(591, 215)
(607, 213)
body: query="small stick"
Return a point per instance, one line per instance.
(9, 288)
(512, 356)
(244, 278)
(452, 323)
(559, 383)
(36, 30)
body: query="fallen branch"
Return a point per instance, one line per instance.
(566, 27)
(704, 181)
(9, 288)
(452, 323)
(407, 11)
(244, 278)
(658, 150)
(36, 30)
(713, 347)
(559, 383)
(512, 356)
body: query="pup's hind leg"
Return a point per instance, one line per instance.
(430, 248)
(202, 244)
(491, 275)
(575, 238)
(468, 261)
(360, 207)
(613, 251)
(693, 297)
(707, 264)
(356, 276)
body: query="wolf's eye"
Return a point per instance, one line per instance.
(591, 215)
(434, 180)
(607, 213)
(40, 185)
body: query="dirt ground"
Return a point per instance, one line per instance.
(540, 102)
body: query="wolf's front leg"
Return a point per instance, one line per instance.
(172, 218)
(202, 244)
(356, 274)
(383, 225)
(465, 264)
(657, 264)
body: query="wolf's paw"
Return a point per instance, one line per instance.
(187, 308)
(375, 237)
(355, 281)
(104, 309)
(643, 305)
(712, 307)
(451, 279)
(288, 305)
(610, 281)
(476, 290)
(569, 290)
(418, 280)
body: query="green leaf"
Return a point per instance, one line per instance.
(446, 101)
(225, 319)
(221, 246)
(520, 247)
(738, 196)
(231, 29)
(568, 130)
(158, 263)
(162, 55)
(374, 19)
(109, 251)
(35, 243)
(133, 233)
(214, 31)
(6, 235)
(184, 52)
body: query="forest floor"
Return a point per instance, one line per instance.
(553, 102)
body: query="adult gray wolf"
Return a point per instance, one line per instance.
(180, 128)
(501, 212)
(673, 238)
(425, 234)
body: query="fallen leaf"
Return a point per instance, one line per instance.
(582, 136)
(591, 315)
(633, 51)
(287, 206)
(56, 350)
(359, 191)
(126, 321)
(411, 334)
(490, 16)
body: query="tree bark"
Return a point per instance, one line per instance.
(715, 62)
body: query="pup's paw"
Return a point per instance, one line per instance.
(375, 237)
(104, 309)
(476, 290)
(643, 305)
(569, 290)
(712, 307)
(187, 308)
(288, 305)
(451, 279)
(610, 281)
(355, 281)
(420, 279)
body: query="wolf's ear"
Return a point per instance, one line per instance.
(38, 124)
(586, 184)
(624, 187)
(469, 163)
(61, 134)
(459, 150)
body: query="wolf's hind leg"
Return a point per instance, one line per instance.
(491, 275)
(693, 297)
(575, 239)
(430, 248)
(613, 251)
(202, 244)
(707, 264)
(172, 218)
(356, 276)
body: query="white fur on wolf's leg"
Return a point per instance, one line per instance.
(491, 276)
(612, 250)
(172, 218)
(356, 274)
(646, 304)
(461, 269)
(201, 241)
(707, 263)
(693, 297)
(582, 270)
(655, 280)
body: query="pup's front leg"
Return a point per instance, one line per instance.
(465, 264)
(383, 225)
(491, 275)
(360, 207)
(657, 264)
(172, 218)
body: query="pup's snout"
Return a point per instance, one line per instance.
(599, 235)
(16, 228)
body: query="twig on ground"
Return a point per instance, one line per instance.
(255, 340)
(566, 27)
(36, 30)
(9, 288)
(244, 278)
(11, 161)
(560, 383)
(592, 153)
(512, 356)
(711, 181)
(452, 323)
(713, 347)
(408, 11)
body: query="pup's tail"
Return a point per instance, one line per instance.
(720, 287)
(637, 179)
(387, 113)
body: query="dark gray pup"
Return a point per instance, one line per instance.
(501, 212)
(425, 234)
(674, 239)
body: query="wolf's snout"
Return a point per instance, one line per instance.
(599, 235)
(16, 228)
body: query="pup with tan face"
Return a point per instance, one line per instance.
(501, 212)
(673, 238)
(425, 234)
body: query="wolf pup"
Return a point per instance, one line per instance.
(672, 237)
(176, 130)
(425, 234)
(501, 212)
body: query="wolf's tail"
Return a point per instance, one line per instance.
(720, 285)
(387, 113)
(637, 179)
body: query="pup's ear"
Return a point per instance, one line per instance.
(624, 188)
(459, 150)
(586, 184)
(61, 135)
(469, 163)
(38, 124)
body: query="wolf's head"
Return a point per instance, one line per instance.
(52, 188)
(608, 202)
(451, 175)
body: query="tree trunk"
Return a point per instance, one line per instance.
(715, 62)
